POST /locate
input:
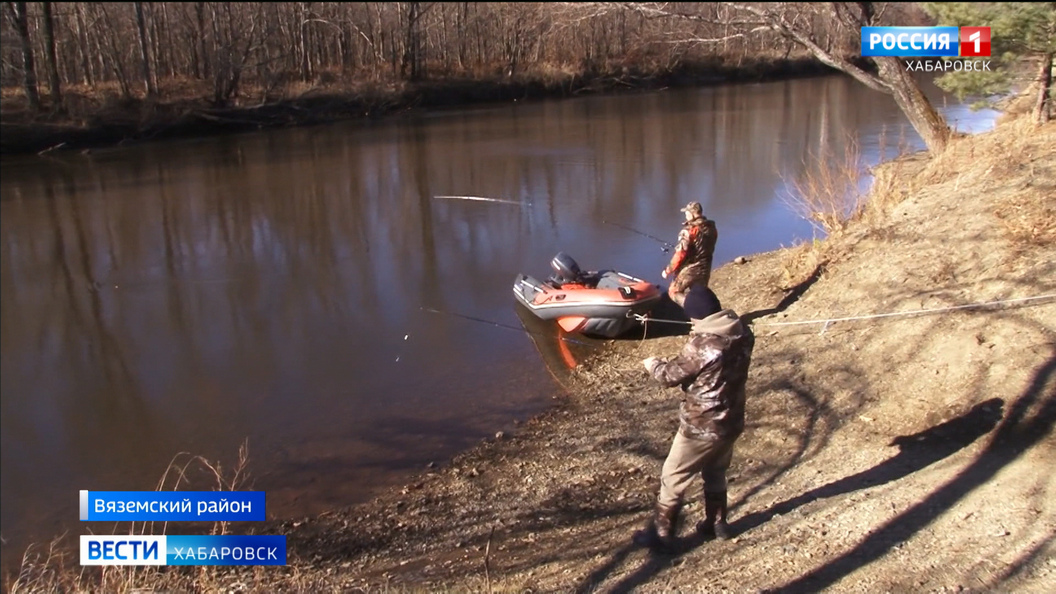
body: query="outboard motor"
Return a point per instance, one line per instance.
(565, 269)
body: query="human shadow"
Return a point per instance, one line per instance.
(1015, 434)
(791, 297)
(916, 451)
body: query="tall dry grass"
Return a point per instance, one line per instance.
(1013, 167)
(834, 190)
(826, 190)
(56, 568)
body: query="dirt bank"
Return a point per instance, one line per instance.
(95, 121)
(894, 454)
(909, 453)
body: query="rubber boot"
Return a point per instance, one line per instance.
(714, 524)
(660, 534)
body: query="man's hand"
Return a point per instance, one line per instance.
(663, 274)
(650, 363)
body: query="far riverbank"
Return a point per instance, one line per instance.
(95, 121)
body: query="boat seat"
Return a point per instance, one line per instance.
(583, 281)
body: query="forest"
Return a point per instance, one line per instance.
(256, 52)
(152, 63)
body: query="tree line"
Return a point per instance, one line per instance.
(136, 46)
(144, 49)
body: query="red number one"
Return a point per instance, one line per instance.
(975, 41)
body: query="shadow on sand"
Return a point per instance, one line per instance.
(916, 451)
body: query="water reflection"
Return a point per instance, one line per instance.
(185, 296)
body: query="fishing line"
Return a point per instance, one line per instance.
(482, 199)
(506, 326)
(665, 246)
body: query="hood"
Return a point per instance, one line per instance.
(722, 323)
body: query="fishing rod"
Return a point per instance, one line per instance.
(506, 326)
(665, 246)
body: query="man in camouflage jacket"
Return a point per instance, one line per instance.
(712, 370)
(691, 262)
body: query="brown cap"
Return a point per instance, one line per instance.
(693, 208)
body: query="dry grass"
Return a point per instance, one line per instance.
(1010, 164)
(1027, 219)
(57, 568)
(975, 158)
(1019, 157)
(826, 191)
(799, 262)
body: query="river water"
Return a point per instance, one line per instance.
(268, 288)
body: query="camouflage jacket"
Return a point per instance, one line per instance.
(695, 247)
(712, 371)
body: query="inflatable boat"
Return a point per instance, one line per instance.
(600, 303)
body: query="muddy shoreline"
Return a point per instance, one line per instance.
(141, 121)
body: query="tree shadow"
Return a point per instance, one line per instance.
(791, 297)
(1031, 557)
(916, 451)
(813, 436)
(1013, 436)
(653, 566)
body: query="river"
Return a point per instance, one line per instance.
(268, 288)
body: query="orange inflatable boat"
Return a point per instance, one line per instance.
(600, 303)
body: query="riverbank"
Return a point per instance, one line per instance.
(93, 120)
(905, 453)
(893, 454)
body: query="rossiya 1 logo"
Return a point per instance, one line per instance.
(930, 42)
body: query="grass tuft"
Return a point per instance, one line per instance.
(826, 190)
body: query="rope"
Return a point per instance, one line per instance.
(644, 319)
(882, 315)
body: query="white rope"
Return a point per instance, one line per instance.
(883, 315)
(644, 319)
(910, 313)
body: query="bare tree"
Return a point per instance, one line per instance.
(144, 49)
(202, 70)
(411, 65)
(111, 52)
(49, 54)
(823, 30)
(891, 76)
(29, 77)
(84, 50)
(235, 37)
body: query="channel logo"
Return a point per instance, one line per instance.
(225, 549)
(975, 41)
(925, 42)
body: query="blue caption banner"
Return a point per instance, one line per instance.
(226, 550)
(100, 549)
(922, 42)
(172, 506)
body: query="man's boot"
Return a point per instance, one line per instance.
(714, 524)
(660, 534)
